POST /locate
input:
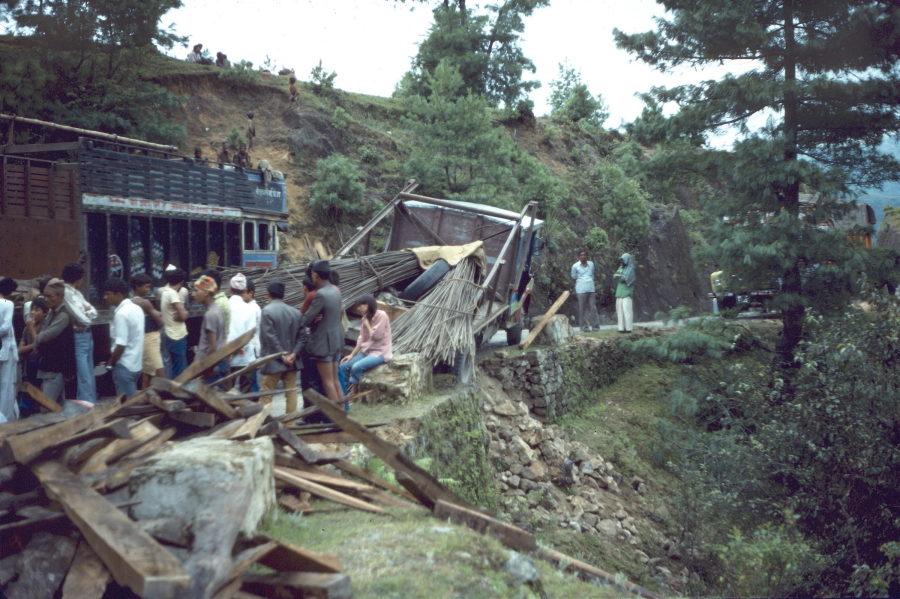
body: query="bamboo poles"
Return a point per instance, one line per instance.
(441, 325)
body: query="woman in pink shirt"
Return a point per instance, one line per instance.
(373, 346)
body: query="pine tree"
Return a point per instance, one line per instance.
(825, 76)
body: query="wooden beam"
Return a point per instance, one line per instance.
(338, 437)
(318, 490)
(133, 558)
(210, 397)
(26, 447)
(117, 429)
(509, 535)
(361, 233)
(87, 577)
(28, 148)
(228, 350)
(303, 450)
(250, 367)
(544, 320)
(299, 584)
(418, 222)
(166, 405)
(388, 452)
(98, 134)
(293, 504)
(140, 434)
(38, 396)
(200, 419)
(9, 429)
(590, 572)
(250, 428)
(329, 479)
(293, 558)
(358, 472)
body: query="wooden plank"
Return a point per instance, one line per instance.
(242, 561)
(26, 447)
(117, 429)
(415, 490)
(358, 472)
(303, 450)
(166, 405)
(140, 433)
(210, 397)
(8, 429)
(87, 577)
(39, 396)
(146, 448)
(589, 572)
(249, 429)
(328, 479)
(324, 492)
(509, 535)
(339, 437)
(133, 558)
(303, 584)
(544, 320)
(166, 386)
(225, 429)
(293, 504)
(229, 349)
(383, 498)
(388, 452)
(199, 419)
(288, 557)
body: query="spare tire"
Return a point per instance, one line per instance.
(425, 281)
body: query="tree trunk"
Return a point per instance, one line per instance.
(791, 283)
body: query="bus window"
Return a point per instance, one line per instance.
(249, 237)
(264, 236)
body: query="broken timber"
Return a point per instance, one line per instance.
(544, 320)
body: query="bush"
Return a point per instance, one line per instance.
(369, 155)
(596, 241)
(235, 138)
(340, 119)
(241, 74)
(322, 81)
(338, 191)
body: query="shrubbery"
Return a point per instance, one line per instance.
(240, 74)
(338, 191)
(322, 81)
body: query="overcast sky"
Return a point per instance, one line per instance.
(370, 43)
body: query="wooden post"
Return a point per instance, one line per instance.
(546, 318)
(26, 174)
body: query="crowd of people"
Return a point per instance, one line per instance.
(148, 337)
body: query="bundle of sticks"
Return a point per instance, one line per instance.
(440, 325)
(358, 276)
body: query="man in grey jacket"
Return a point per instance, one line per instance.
(326, 338)
(281, 331)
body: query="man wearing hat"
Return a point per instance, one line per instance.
(213, 331)
(326, 337)
(243, 319)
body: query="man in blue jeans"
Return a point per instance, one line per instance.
(127, 334)
(83, 313)
(172, 300)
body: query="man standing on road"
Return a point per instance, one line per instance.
(583, 274)
(152, 363)
(624, 309)
(280, 331)
(55, 341)
(213, 331)
(83, 313)
(172, 299)
(326, 338)
(127, 334)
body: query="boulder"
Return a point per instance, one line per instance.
(406, 378)
(556, 332)
(185, 478)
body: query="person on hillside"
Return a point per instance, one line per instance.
(9, 354)
(625, 275)
(281, 331)
(326, 337)
(152, 362)
(251, 130)
(84, 313)
(373, 346)
(127, 336)
(224, 154)
(172, 300)
(213, 331)
(583, 275)
(242, 158)
(55, 342)
(222, 60)
(194, 56)
(295, 93)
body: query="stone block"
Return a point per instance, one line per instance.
(556, 332)
(406, 378)
(179, 481)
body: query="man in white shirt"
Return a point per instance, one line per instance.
(127, 335)
(84, 313)
(583, 274)
(195, 54)
(172, 304)
(9, 354)
(243, 319)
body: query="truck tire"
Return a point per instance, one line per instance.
(425, 281)
(514, 333)
(464, 368)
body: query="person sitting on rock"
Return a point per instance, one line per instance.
(373, 346)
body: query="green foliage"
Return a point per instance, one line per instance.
(460, 154)
(823, 75)
(622, 204)
(240, 74)
(596, 242)
(484, 48)
(369, 154)
(574, 211)
(235, 139)
(341, 119)
(771, 562)
(322, 81)
(571, 100)
(537, 183)
(338, 191)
